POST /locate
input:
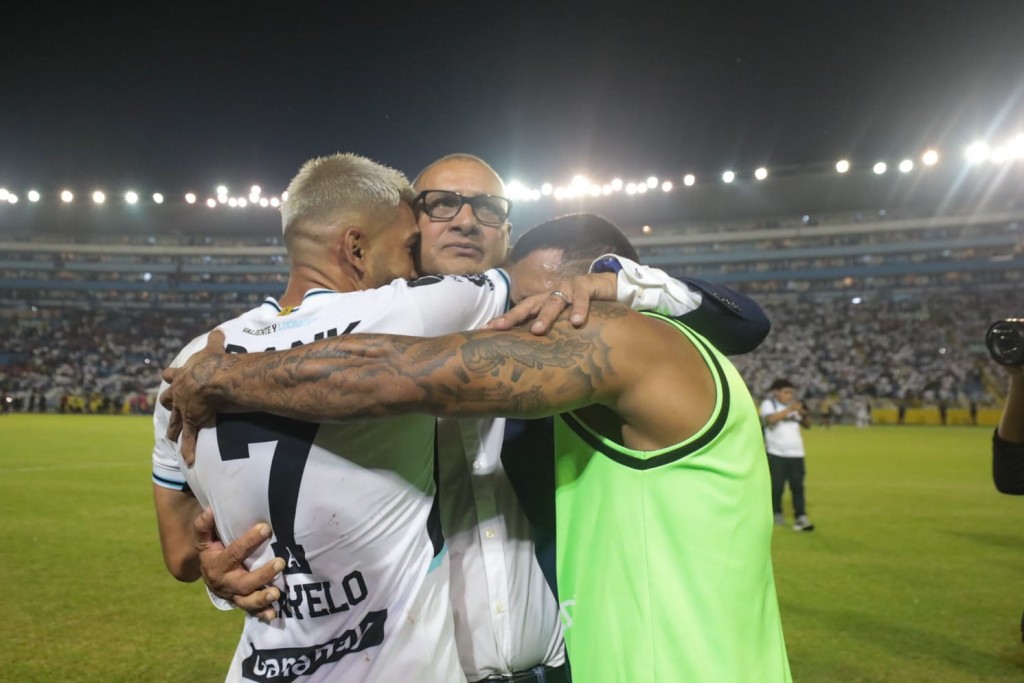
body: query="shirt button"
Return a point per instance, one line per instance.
(477, 464)
(499, 608)
(490, 533)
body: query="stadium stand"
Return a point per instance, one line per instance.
(880, 289)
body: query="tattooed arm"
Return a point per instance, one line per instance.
(641, 368)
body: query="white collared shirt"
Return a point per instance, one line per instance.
(506, 617)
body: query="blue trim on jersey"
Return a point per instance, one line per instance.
(436, 562)
(314, 292)
(271, 302)
(169, 483)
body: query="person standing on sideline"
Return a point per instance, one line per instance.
(783, 416)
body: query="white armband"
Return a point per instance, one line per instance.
(643, 288)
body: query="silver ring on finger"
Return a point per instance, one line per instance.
(562, 295)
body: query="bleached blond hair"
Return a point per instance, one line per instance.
(329, 188)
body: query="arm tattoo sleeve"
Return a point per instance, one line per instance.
(475, 373)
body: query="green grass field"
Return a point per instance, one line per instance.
(915, 572)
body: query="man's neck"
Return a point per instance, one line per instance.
(304, 278)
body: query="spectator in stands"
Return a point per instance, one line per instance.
(782, 416)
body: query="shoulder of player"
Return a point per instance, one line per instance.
(488, 281)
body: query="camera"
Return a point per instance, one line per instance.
(1005, 341)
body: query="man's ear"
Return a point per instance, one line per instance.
(353, 250)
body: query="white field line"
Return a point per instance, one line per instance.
(81, 466)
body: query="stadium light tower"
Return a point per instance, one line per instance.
(879, 168)
(842, 166)
(728, 177)
(930, 157)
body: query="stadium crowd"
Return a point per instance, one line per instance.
(921, 350)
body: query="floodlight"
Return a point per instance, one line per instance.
(211, 202)
(99, 197)
(546, 189)
(4, 193)
(1000, 154)
(222, 198)
(256, 190)
(515, 189)
(879, 168)
(906, 166)
(761, 173)
(616, 184)
(232, 202)
(33, 196)
(284, 196)
(630, 188)
(66, 196)
(606, 189)
(222, 189)
(930, 157)
(264, 202)
(12, 198)
(689, 179)
(595, 190)
(580, 181)
(535, 194)
(647, 230)
(977, 152)
(190, 198)
(242, 203)
(855, 300)
(666, 186)
(559, 193)
(1017, 147)
(728, 176)
(158, 198)
(641, 188)
(652, 182)
(842, 166)
(131, 197)
(146, 277)
(275, 202)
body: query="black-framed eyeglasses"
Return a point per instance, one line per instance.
(444, 205)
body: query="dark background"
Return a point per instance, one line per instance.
(174, 97)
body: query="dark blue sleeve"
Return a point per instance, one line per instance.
(731, 321)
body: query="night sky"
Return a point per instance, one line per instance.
(180, 98)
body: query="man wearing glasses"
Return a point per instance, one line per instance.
(507, 624)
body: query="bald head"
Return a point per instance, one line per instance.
(461, 244)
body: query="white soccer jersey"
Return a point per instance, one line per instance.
(365, 591)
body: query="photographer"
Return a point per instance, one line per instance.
(782, 417)
(1008, 441)
(1005, 340)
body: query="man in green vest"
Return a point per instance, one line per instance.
(663, 505)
